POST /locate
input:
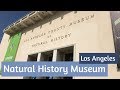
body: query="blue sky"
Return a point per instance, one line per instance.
(8, 17)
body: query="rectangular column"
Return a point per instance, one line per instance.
(74, 53)
(38, 57)
(54, 55)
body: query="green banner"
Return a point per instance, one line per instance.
(12, 48)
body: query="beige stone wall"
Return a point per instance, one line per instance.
(3, 47)
(94, 34)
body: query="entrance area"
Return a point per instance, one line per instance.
(63, 54)
(46, 56)
(31, 58)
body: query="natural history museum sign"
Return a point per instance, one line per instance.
(49, 35)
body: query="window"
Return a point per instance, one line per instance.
(32, 57)
(46, 56)
(65, 54)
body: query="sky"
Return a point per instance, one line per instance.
(8, 17)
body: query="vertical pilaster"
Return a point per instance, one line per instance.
(38, 57)
(54, 59)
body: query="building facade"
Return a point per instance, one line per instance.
(59, 36)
